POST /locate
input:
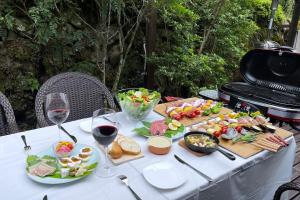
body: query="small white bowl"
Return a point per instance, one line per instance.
(159, 145)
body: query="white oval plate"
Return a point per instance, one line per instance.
(164, 175)
(86, 126)
(48, 180)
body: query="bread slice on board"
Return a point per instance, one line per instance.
(130, 147)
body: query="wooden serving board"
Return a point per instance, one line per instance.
(161, 109)
(246, 150)
(124, 158)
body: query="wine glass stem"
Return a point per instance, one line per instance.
(106, 166)
(59, 132)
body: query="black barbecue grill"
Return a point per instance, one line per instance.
(272, 83)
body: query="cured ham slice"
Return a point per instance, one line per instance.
(41, 169)
(158, 127)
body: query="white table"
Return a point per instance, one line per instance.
(254, 178)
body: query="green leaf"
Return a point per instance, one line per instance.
(147, 124)
(92, 166)
(142, 131)
(32, 160)
(170, 133)
(56, 174)
(180, 129)
(47, 157)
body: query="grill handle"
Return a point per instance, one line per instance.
(284, 48)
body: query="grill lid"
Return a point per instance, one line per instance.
(278, 69)
(262, 94)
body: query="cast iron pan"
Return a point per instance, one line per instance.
(206, 150)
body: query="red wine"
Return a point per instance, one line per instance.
(105, 134)
(58, 116)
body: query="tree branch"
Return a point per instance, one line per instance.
(216, 12)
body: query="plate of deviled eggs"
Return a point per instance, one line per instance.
(63, 162)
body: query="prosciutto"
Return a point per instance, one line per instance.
(158, 127)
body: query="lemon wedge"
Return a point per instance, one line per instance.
(172, 127)
(176, 123)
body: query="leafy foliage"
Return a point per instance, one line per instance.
(199, 43)
(203, 41)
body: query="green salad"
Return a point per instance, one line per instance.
(138, 103)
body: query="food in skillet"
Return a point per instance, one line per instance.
(201, 141)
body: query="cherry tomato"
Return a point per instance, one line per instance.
(177, 117)
(182, 114)
(224, 129)
(238, 129)
(70, 146)
(217, 133)
(191, 115)
(197, 112)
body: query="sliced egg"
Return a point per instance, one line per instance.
(86, 151)
(64, 162)
(75, 160)
(84, 157)
(73, 165)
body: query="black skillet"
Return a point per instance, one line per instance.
(206, 150)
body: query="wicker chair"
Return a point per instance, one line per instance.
(85, 93)
(8, 123)
(285, 187)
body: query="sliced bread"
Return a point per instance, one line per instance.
(130, 147)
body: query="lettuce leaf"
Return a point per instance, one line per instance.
(147, 124)
(143, 131)
(32, 160)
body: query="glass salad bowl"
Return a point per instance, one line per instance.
(137, 103)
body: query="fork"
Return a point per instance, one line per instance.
(26, 147)
(124, 179)
(64, 130)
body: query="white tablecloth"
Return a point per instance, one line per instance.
(254, 178)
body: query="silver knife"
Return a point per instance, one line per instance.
(185, 163)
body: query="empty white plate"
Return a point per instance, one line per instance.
(86, 126)
(164, 175)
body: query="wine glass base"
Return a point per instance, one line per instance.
(106, 172)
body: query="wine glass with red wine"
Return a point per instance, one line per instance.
(105, 130)
(57, 108)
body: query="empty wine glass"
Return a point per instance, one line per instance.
(57, 108)
(105, 130)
